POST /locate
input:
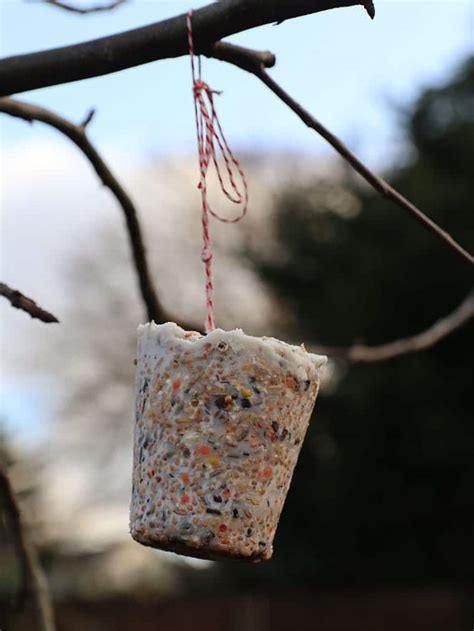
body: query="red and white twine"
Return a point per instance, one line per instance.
(210, 134)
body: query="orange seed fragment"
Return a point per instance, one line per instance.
(267, 473)
(204, 450)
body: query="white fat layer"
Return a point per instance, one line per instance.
(170, 335)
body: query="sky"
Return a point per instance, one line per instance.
(351, 72)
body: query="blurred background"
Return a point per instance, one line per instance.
(378, 526)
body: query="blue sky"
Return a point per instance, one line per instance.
(24, 408)
(345, 68)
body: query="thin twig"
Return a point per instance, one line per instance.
(161, 40)
(245, 58)
(255, 63)
(77, 134)
(96, 8)
(378, 183)
(27, 554)
(20, 301)
(420, 342)
(87, 119)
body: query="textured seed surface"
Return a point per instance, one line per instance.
(219, 424)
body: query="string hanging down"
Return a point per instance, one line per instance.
(211, 141)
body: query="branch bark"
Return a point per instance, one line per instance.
(97, 8)
(404, 346)
(77, 133)
(27, 554)
(20, 301)
(255, 62)
(161, 40)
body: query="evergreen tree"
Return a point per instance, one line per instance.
(383, 488)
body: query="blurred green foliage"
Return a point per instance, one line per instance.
(383, 491)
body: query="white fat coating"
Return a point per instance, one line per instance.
(170, 333)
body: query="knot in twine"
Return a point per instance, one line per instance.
(210, 141)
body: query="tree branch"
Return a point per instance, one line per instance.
(250, 60)
(27, 554)
(20, 301)
(255, 62)
(420, 342)
(149, 43)
(76, 133)
(82, 10)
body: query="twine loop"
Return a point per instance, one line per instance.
(211, 141)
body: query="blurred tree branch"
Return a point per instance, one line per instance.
(27, 557)
(96, 8)
(255, 62)
(404, 346)
(161, 40)
(20, 301)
